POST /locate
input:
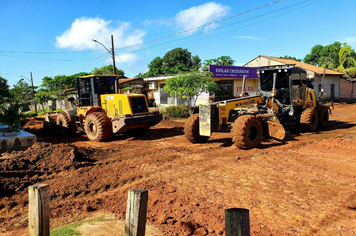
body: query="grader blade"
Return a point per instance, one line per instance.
(276, 130)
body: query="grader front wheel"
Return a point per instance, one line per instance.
(309, 119)
(65, 125)
(191, 130)
(97, 126)
(323, 113)
(247, 132)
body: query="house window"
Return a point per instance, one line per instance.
(167, 99)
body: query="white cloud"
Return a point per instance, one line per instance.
(350, 40)
(200, 15)
(128, 58)
(247, 37)
(79, 36)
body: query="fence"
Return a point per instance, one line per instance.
(237, 220)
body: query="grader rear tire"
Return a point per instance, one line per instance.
(323, 113)
(191, 130)
(98, 126)
(309, 119)
(247, 132)
(65, 125)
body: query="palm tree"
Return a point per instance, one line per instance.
(346, 59)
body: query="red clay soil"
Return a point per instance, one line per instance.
(303, 186)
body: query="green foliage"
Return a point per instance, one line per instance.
(31, 114)
(293, 58)
(127, 87)
(4, 90)
(22, 91)
(42, 96)
(175, 61)
(319, 53)
(155, 68)
(221, 61)
(190, 86)
(347, 59)
(10, 115)
(107, 70)
(177, 111)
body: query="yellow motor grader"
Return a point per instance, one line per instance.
(101, 111)
(285, 98)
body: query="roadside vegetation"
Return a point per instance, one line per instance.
(191, 78)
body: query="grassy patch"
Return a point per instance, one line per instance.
(70, 230)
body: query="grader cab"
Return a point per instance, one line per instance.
(285, 98)
(101, 111)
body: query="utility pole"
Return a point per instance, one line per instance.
(112, 52)
(33, 92)
(113, 55)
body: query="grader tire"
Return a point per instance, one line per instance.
(65, 125)
(98, 126)
(323, 113)
(309, 119)
(247, 132)
(191, 130)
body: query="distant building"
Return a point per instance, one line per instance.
(228, 79)
(331, 80)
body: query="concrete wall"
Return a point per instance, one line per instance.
(329, 80)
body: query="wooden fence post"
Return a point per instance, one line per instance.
(136, 212)
(237, 222)
(38, 210)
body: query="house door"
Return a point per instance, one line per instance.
(332, 91)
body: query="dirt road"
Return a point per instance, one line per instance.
(304, 186)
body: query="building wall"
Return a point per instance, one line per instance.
(347, 89)
(329, 81)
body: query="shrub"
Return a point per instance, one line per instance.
(177, 111)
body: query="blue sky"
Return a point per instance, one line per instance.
(54, 37)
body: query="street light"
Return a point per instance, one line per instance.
(112, 52)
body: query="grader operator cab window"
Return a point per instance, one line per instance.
(84, 89)
(282, 84)
(104, 85)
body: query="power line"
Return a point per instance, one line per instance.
(198, 27)
(157, 39)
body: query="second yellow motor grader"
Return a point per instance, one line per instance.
(101, 111)
(285, 98)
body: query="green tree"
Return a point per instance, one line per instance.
(190, 86)
(107, 70)
(347, 59)
(221, 61)
(154, 68)
(292, 58)
(10, 115)
(4, 90)
(319, 53)
(42, 96)
(21, 91)
(176, 61)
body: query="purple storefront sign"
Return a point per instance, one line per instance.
(233, 72)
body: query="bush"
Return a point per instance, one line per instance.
(177, 111)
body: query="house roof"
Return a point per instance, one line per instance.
(315, 69)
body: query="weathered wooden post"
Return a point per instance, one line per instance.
(136, 212)
(38, 210)
(237, 222)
